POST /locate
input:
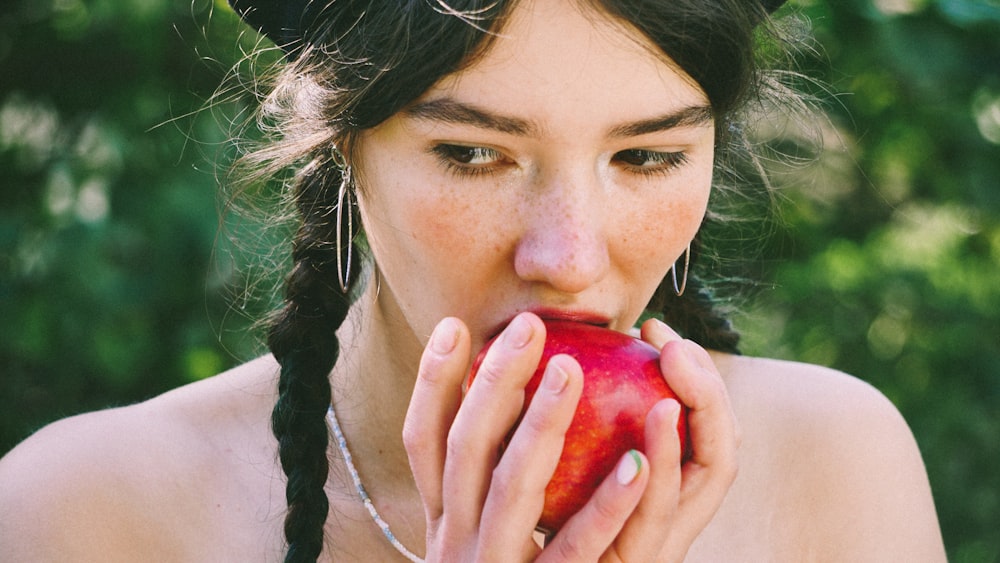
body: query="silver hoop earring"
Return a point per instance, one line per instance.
(344, 201)
(684, 279)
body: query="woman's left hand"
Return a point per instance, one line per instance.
(680, 499)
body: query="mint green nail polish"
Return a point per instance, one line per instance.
(629, 467)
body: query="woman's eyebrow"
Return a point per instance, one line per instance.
(452, 111)
(690, 116)
(449, 110)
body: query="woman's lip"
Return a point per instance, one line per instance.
(586, 317)
(574, 316)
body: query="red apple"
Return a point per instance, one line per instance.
(621, 383)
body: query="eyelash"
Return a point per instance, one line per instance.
(663, 162)
(457, 159)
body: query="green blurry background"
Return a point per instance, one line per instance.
(115, 283)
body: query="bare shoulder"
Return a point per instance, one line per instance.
(147, 472)
(850, 474)
(821, 398)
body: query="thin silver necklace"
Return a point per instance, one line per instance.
(331, 416)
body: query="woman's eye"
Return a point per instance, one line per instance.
(647, 161)
(471, 157)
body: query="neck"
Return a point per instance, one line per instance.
(372, 384)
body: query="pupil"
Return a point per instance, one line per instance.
(465, 155)
(634, 158)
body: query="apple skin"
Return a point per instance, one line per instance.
(621, 383)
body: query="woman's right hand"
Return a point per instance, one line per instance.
(482, 500)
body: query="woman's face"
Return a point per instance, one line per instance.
(563, 173)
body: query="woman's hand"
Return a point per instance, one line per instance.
(482, 504)
(681, 500)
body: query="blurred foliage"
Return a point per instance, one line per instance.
(887, 261)
(115, 284)
(111, 272)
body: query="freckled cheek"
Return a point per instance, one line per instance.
(453, 231)
(657, 234)
(434, 224)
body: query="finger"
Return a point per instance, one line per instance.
(437, 394)
(698, 384)
(713, 431)
(489, 409)
(517, 491)
(644, 533)
(691, 373)
(589, 533)
(703, 359)
(657, 333)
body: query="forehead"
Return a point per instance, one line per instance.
(554, 58)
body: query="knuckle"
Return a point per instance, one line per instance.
(490, 373)
(715, 388)
(444, 540)
(456, 443)
(607, 516)
(534, 424)
(698, 353)
(465, 446)
(413, 438)
(569, 549)
(505, 487)
(673, 350)
(430, 373)
(710, 392)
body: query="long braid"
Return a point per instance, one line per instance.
(303, 339)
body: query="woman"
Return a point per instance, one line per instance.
(509, 163)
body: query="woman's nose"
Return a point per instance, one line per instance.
(564, 238)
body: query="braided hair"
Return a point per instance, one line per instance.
(303, 339)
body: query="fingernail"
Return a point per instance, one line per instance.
(518, 333)
(555, 379)
(628, 468)
(445, 337)
(675, 410)
(667, 329)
